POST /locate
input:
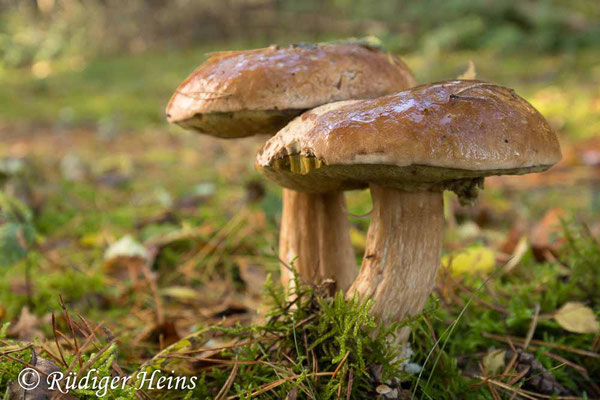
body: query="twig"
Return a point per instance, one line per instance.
(68, 319)
(16, 350)
(340, 364)
(157, 302)
(527, 394)
(350, 382)
(62, 357)
(279, 382)
(228, 383)
(531, 331)
(542, 343)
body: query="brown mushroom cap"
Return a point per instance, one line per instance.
(446, 135)
(241, 93)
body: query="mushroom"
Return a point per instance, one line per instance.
(242, 93)
(409, 147)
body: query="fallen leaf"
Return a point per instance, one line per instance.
(513, 237)
(470, 72)
(493, 361)
(180, 293)
(517, 255)
(470, 260)
(27, 327)
(578, 318)
(546, 235)
(95, 239)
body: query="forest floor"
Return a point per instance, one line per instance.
(154, 233)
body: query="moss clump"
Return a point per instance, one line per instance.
(317, 347)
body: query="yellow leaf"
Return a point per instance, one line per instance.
(94, 239)
(493, 361)
(470, 260)
(470, 72)
(358, 239)
(578, 318)
(180, 293)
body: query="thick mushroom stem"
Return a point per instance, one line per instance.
(402, 254)
(315, 235)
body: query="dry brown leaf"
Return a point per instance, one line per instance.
(546, 235)
(27, 327)
(577, 317)
(517, 255)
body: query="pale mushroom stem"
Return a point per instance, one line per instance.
(402, 254)
(315, 236)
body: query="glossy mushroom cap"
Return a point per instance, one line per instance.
(241, 93)
(446, 135)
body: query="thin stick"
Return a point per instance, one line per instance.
(542, 343)
(341, 363)
(279, 382)
(228, 383)
(532, 327)
(68, 318)
(350, 382)
(62, 357)
(527, 394)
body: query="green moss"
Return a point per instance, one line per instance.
(311, 334)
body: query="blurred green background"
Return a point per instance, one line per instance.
(114, 63)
